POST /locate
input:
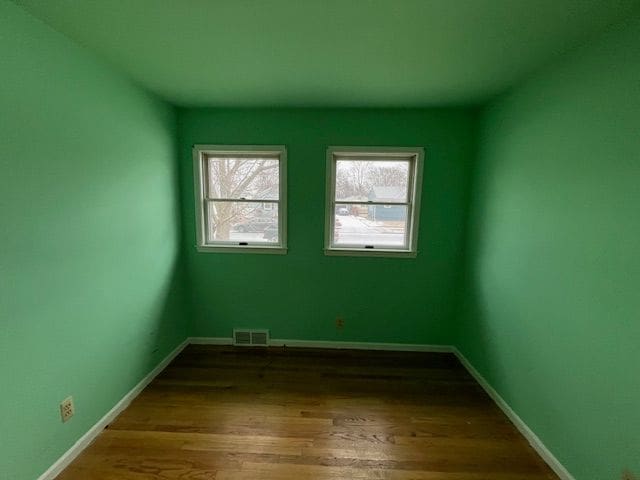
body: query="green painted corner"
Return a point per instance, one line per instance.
(550, 307)
(90, 283)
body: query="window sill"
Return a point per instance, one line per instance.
(366, 252)
(241, 249)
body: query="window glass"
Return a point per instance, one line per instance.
(372, 200)
(372, 225)
(372, 180)
(242, 222)
(244, 178)
(241, 198)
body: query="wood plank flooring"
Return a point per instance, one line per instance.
(224, 413)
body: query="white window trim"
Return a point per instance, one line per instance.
(199, 159)
(415, 189)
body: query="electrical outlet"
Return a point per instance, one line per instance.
(67, 409)
(339, 322)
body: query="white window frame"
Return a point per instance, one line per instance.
(200, 172)
(415, 156)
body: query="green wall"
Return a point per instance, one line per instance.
(299, 295)
(551, 313)
(90, 240)
(97, 285)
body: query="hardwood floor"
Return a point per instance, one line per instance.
(283, 413)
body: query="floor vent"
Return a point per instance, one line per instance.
(250, 338)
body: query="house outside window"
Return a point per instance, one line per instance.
(373, 201)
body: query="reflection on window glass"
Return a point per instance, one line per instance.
(372, 180)
(243, 178)
(371, 225)
(242, 222)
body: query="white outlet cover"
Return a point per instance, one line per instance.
(67, 409)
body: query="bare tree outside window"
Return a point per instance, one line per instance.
(241, 198)
(355, 179)
(231, 182)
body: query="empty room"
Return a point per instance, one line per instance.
(320, 239)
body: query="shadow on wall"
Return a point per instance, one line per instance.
(169, 317)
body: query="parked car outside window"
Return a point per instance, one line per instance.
(271, 233)
(254, 225)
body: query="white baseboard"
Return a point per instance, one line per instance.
(84, 441)
(522, 427)
(397, 347)
(284, 342)
(210, 340)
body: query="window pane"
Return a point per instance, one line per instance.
(242, 222)
(375, 225)
(243, 178)
(372, 180)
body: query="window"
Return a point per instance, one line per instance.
(373, 201)
(240, 198)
